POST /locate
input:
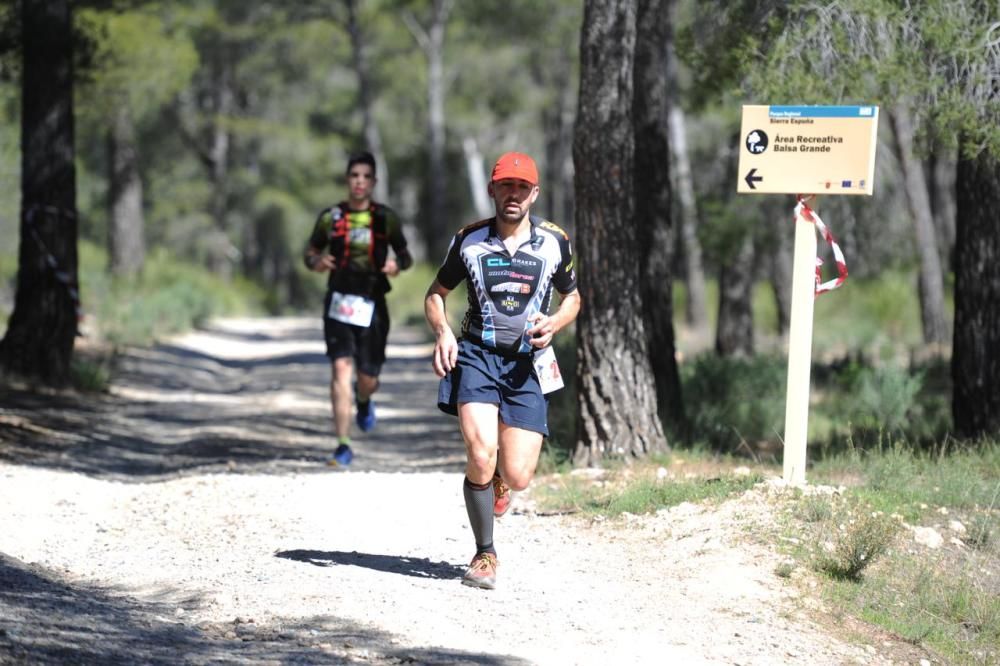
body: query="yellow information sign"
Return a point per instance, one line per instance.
(807, 149)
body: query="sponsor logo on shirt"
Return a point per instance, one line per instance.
(511, 287)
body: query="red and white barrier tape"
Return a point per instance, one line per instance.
(803, 211)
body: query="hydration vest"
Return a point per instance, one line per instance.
(344, 276)
(340, 248)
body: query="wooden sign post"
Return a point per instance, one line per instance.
(805, 150)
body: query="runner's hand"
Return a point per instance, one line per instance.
(326, 263)
(445, 353)
(390, 268)
(542, 331)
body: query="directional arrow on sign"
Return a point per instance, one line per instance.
(751, 178)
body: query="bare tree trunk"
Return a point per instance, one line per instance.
(941, 175)
(431, 41)
(653, 198)
(780, 264)
(734, 332)
(126, 233)
(616, 390)
(370, 128)
(219, 148)
(695, 309)
(557, 121)
(931, 281)
(43, 326)
(975, 363)
(219, 248)
(478, 181)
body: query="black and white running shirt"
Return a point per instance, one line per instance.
(505, 290)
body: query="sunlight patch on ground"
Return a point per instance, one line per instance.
(231, 350)
(276, 401)
(268, 325)
(226, 348)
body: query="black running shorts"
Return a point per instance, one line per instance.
(365, 345)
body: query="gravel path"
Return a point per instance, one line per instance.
(189, 517)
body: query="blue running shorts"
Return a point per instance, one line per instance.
(484, 375)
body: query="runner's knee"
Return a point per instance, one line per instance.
(519, 477)
(483, 460)
(340, 378)
(367, 384)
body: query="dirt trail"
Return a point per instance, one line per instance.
(188, 517)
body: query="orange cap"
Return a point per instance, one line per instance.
(515, 165)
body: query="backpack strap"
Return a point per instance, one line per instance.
(378, 249)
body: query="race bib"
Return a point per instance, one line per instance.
(351, 309)
(547, 370)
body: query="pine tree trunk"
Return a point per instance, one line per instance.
(42, 328)
(931, 280)
(734, 331)
(975, 361)
(653, 198)
(126, 237)
(616, 390)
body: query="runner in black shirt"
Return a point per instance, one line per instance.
(490, 378)
(351, 241)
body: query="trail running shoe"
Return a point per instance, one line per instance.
(501, 496)
(343, 455)
(365, 418)
(482, 572)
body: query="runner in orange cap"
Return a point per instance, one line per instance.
(489, 378)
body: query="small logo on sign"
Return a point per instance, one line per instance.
(756, 142)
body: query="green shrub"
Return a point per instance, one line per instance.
(981, 533)
(816, 509)
(857, 545)
(168, 297)
(90, 376)
(734, 399)
(869, 313)
(881, 398)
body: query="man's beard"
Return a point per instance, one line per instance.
(510, 218)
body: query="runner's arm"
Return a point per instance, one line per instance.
(546, 326)
(314, 257)
(445, 345)
(397, 241)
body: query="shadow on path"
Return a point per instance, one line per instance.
(418, 567)
(46, 621)
(251, 397)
